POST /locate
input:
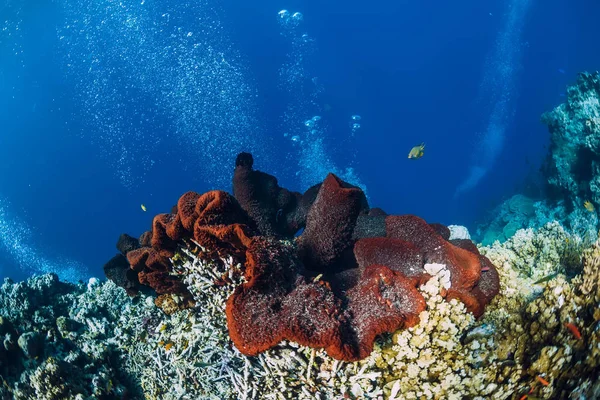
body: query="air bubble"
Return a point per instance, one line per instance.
(356, 125)
(295, 138)
(309, 123)
(356, 117)
(297, 16)
(316, 118)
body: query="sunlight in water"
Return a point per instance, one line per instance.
(307, 131)
(496, 90)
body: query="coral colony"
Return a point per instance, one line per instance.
(273, 294)
(352, 276)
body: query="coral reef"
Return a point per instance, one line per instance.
(510, 216)
(536, 340)
(220, 300)
(63, 341)
(571, 171)
(334, 288)
(573, 166)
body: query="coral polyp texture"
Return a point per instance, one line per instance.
(328, 289)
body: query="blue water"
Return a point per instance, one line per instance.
(107, 105)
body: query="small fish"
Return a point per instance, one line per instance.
(546, 278)
(143, 207)
(417, 151)
(542, 380)
(574, 330)
(508, 363)
(480, 332)
(201, 364)
(588, 206)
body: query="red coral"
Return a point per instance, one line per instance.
(166, 231)
(212, 208)
(154, 271)
(383, 301)
(145, 239)
(223, 240)
(214, 220)
(398, 255)
(277, 303)
(488, 286)
(464, 266)
(468, 283)
(442, 230)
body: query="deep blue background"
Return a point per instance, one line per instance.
(412, 70)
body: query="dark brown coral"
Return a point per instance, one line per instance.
(327, 238)
(274, 210)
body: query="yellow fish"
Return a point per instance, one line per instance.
(589, 206)
(417, 151)
(143, 207)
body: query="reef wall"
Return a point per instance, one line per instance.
(573, 165)
(571, 172)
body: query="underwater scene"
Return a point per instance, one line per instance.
(299, 199)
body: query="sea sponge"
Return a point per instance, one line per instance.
(330, 223)
(331, 291)
(398, 255)
(275, 210)
(278, 304)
